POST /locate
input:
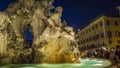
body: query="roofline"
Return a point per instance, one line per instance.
(98, 18)
(93, 21)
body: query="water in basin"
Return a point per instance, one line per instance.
(85, 63)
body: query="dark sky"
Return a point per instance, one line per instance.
(78, 13)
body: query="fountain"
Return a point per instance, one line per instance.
(52, 43)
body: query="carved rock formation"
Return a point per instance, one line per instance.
(52, 41)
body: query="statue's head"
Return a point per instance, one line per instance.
(58, 10)
(27, 3)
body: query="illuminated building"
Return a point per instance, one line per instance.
(103, 31)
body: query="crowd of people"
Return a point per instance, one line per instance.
(113, 54)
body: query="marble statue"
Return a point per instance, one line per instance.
(55, 19)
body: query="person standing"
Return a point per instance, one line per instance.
(117, 55)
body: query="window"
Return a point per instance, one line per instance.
(97, 36)
(86, 31)
(90, 39)
(103, 44)
(110, 41)
(89, 29)
(118, 41)
(108, 23)
(109, 34)
(81, 42)
(102, 35)
(84, 41)
(116, 23)
(83, 33)
(93, 28)
(101, 24)
(87, 40)
(96, 26)
(94, 38)
(117, 34)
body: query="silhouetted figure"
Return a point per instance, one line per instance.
(117, 55)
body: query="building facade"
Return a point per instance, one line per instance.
(103, 31)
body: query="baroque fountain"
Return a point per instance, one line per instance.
(52, 41)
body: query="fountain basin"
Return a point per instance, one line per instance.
(85, 63)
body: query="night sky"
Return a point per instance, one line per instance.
(78, 13)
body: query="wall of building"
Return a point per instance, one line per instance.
(95, 34)
(112, 25)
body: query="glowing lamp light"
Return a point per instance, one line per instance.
(72, 33)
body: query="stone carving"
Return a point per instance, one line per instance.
(53, 42)
(4, 21)
(55, 19)
(38, 24)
